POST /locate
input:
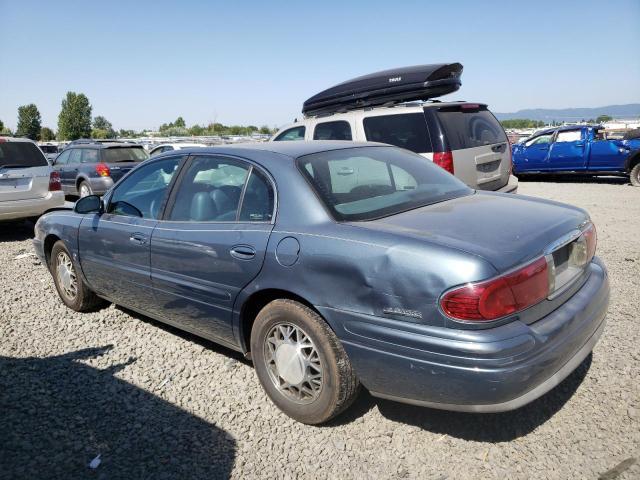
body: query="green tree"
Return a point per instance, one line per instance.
(603, 119)
(180, 123)
(265, 130)
(46, 134)
(103, 128)
(74, 120)
(29, 122)
(196, 131)
(127, 133)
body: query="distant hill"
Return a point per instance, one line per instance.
(629, 111)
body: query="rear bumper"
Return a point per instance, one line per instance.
(100, 185)
(33, 207)
(511, 186)
(490, 370)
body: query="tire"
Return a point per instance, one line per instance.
(338, 385)
(84, 189)
(74, 294)
(634, 175)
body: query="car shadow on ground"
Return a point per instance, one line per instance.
(16, 231)
(487, 427)
(57, 414)
(574, 179)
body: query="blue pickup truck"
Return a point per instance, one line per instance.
(577, 149)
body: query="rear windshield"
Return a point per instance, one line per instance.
(408, 130)
(365, 183)
(470, 127)
(21, 154)
(124, 154)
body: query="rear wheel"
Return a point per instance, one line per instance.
(73, 292)
(84, 189)
(301, 363)
(634, 175)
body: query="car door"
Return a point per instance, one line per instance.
(59, 166)
(606, 155)
(114, 245)
(69, 172)
(533, 154)
(567, 151)
(211, 243)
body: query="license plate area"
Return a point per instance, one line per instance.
(566, 263)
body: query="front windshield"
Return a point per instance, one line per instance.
(365, 183)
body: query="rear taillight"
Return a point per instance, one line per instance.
(444, 160)
(54, 182)
(509, 148)
(501, 296)
(102, 170)
(591, 236)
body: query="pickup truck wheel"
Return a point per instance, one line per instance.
(84, 189)
(634, 175)
(73, 292)
(301, 363)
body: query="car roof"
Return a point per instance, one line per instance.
(564, 128)
(293, 149)
(16, 139)
(104, 145)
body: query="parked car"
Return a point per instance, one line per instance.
(577, 150)
(335, 264)
(463, 138)
(28, 186)
(88, 168)
(168, 147)
(50, 151)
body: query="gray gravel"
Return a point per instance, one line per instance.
(157, 403)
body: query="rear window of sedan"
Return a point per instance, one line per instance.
(365, 183)
(124, 154)
(21, 154)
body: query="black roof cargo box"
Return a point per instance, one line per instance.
(419, 82)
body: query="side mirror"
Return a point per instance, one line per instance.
(89, 204)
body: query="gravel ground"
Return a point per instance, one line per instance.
(157, 403)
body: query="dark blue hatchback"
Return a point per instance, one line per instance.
(336, 264)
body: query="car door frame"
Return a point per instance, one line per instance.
(553, 163)
(232, 340)
(540, 165)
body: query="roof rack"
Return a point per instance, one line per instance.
(387, 88)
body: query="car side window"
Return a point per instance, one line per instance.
(89, 155)
(168, 148)
(296, 133)
(541, 139)
(63, 158)
(210, 190)
(339, 130)
(142, 193)
(257, 202)
(75, 156)
(569, 136)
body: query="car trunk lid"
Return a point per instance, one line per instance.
(506, 230)
(24, 172)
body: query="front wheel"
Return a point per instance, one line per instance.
(634, 175)
(73, 292)
(301, 363)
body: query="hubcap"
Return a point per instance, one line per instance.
(293, 363)
(66, 276)
(84, 191)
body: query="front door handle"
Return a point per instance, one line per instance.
(138, 238)
(243, 252)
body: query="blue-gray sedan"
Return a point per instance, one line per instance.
(334, 265)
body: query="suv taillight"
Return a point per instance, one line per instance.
(509, 148)
(501, 296)
(444, 160)
(102, 170)
(54, 182)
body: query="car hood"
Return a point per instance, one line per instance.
(504, 229)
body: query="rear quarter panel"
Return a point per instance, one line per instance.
(61, 224)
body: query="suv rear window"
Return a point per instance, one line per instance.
(339, 130)
(364, 183)
(469, 127)
(408, 130)
(21, 154)
(124, 154)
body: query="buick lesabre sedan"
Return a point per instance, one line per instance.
(334, 265)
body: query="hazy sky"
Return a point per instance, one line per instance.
(145, 63)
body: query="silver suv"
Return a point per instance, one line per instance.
(463, 138)
(28, 185)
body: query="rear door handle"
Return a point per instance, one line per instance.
(243, 252)
(138, 238)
